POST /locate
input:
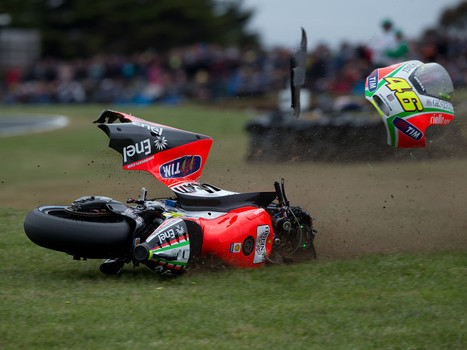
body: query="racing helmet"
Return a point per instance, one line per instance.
(410, 96)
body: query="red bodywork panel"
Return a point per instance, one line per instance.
(243, 237)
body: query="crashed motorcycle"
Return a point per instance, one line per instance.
(201, 223)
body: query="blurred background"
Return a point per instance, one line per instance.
(170, 51)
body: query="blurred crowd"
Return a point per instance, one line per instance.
(207, 72)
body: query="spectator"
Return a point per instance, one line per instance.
(211, 72)
(384, 43)
(400, 52)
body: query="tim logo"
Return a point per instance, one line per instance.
(407, 128)
(180, 167)
(373, 81)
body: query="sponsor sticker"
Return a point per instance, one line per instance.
(262, 234)
(439, 119)
(170, 229)
(235, 247)
(408, 129)
(440, 104)
(160, 143)
(373, 81)
(180, 167)
(132, 165)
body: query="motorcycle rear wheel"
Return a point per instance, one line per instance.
(83, 237)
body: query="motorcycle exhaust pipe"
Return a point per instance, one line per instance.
(141, 252)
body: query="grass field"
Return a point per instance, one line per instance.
(49, 301)
(392, 245)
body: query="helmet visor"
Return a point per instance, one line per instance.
(433, 80)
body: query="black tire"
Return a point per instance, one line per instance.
(83, 237)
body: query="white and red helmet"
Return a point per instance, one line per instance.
(410, 96)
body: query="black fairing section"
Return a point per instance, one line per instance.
(195, 232)
(140, 140)
(226, 203)
(111, 116)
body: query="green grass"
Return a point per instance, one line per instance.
(49, 301)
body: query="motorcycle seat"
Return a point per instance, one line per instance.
(225, 203)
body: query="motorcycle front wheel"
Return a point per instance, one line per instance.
(101, 237)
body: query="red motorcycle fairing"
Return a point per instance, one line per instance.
(243, 237)
(172, 155)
